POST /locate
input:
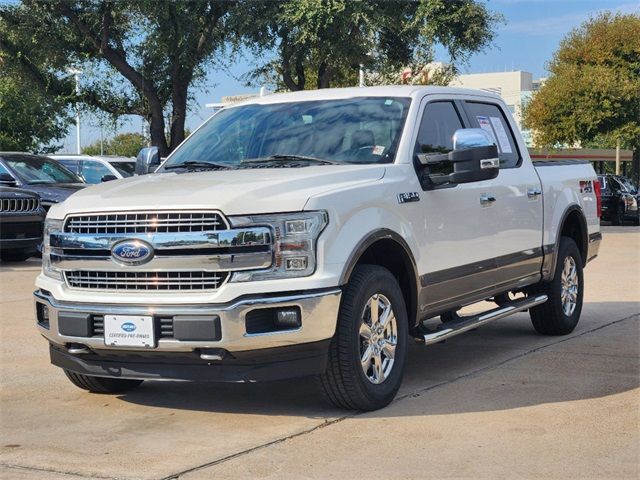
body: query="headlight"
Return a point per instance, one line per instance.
(294, 236)
(50, 226)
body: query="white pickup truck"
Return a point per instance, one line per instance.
(314, 233)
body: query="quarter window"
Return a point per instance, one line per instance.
(491, 118)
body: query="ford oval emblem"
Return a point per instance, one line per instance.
(132, 252)
(128, 327)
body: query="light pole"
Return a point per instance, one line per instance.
(76, 73)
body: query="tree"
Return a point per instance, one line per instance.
(144, 56)
(322, 43)
(593, 91)
(29, 120)
(124, 145)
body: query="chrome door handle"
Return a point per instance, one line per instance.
(533, 193)
(487, 199)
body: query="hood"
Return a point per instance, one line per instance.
(54, 192)
(233, 192)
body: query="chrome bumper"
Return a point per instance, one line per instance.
(319, 309)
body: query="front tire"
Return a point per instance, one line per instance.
(368, 352)
(101, 384)
(559, 315)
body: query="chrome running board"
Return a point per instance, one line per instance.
(464, 324)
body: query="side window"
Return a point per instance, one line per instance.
(92, 172)
(490, 118)
(439, 122)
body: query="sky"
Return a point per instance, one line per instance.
(526, 41)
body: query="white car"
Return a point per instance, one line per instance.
(314, 233)
(98, 169)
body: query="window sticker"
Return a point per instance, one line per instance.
(501, 133)
(378, 150)
(485, 125)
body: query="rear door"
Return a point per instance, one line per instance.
(517, 210)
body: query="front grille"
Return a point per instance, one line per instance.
(146, 281)
(146, 222)
(15, 205)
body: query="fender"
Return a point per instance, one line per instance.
(366, 242)
(551, 251)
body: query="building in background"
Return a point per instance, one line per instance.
(515, 88)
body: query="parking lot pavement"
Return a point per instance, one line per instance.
(499, 402)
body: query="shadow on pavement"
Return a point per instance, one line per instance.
(586, 364)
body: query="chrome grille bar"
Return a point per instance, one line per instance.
(145, 222)
(257, 236)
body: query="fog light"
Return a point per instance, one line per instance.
(296, 263)
(42, 315)
(288, 318)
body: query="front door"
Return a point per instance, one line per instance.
(460, 228)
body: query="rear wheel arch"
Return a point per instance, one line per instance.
(388, 249)
(573, 225)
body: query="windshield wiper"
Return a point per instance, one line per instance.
(290, 158)
(198, 164)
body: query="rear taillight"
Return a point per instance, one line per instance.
(597, 188)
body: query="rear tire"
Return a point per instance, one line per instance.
(559, 315)
(101, 384)
(365, 367)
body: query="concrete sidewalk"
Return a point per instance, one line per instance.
(499, 402)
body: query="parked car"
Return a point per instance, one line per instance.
(97, 169)
(21, 223)
(313, 233)
(39, 174)
(620, 199)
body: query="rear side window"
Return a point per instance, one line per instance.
(439, 122)
(490, 118)
(70, 164)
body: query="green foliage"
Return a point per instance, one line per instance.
(139, 57)
(29, 120)
(124, 145)
(593, 92)
(322, 43)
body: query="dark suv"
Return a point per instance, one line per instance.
(38, 174)
(21, 217)
(620, 199)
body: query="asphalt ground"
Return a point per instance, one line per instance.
(498, 402)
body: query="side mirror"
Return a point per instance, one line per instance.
(147, 161)
(108, 178)
(7, 180)
(474, 158)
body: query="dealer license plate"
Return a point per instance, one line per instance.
(128, 331)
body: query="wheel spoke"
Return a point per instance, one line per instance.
(365, 331)
(378, 373)
(389, 349)
(387, 317)
(366, 357)
(374, 307)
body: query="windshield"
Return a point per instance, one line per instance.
(359, 130)
(32, 170)
(126, 169)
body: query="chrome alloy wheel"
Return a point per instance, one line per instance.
(569, 282)
(378, 338)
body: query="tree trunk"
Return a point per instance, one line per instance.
(635, 166)
(179, 117)
(156, 132)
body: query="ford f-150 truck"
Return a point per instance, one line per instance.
(314, 233)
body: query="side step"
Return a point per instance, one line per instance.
(464, 324)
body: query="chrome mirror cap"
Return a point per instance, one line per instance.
(466, 138)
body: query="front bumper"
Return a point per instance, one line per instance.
(319, 312)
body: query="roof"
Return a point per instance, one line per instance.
(411, 91)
